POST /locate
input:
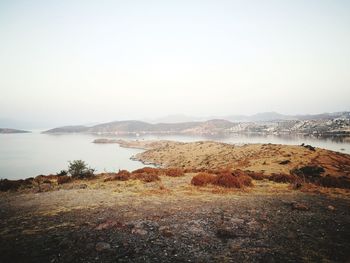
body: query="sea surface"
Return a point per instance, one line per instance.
(30, 154)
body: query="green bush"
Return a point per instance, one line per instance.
(79, 169)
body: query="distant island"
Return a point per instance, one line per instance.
(327, 124)
(8, 130)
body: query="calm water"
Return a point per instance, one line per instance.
(31, 154)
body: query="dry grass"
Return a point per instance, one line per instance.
(145, 177)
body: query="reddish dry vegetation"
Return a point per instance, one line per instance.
(225, 178)
(284, 178)
(63, 179)
(145, 177)
(148, 170)
(174, 172)
(203, 179)
(122, 175)
(145, 174)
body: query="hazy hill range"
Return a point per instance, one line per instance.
(322, 124)
(8, 130)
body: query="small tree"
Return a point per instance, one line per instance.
(62, 173)
(79, 169)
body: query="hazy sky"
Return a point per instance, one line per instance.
(81, 61)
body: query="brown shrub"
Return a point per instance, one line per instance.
(63, 179)
(174, 172)
(145, 177)
(51, 176)
(233, 179)
(202, 179)
(148, 170)
(332, 181)
(122, 175)
(284, 178)
(255, 175)
(194, 170)
(245, 180)
(227, 180)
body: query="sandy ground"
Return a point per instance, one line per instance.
(173, 221)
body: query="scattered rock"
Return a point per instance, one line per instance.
(194, 227)
(226, 233)
(139, 231)
(330, 207)
(165, 231)
(284, 162)
(108, 224)
(237, 221)
(309, 147)
(300, 206)
(102, 246)
(141, 227)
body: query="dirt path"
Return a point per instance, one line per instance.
(172, 221)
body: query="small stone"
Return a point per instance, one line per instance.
(139, 231)
(237, 221)
(330, 207)
(225, 233)
(166, 232)
(102, 246)
(300, 207)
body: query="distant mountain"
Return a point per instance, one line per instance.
(8, 130)
(125, 127)
(269, 122)
(259, 117)
(68, 129)
(324, 116)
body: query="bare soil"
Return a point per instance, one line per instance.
(173, 221)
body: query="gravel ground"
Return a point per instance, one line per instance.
(173, 221)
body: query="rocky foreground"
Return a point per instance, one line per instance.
(274, 203)
(171, 220)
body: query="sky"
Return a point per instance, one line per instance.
(67, 61)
